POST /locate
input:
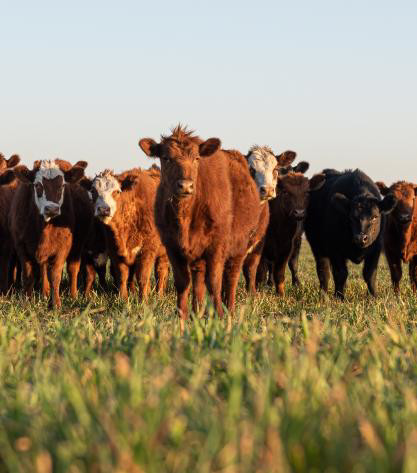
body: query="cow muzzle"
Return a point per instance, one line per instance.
(267, 192)
(361, 240)
(299, 214)
(103, 212)
(51, 211)
(405, 218)
(184, 187)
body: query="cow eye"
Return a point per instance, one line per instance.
(374, 218)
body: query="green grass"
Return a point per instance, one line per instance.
(302, 383)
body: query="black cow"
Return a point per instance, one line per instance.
(345, 221)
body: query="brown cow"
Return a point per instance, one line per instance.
(287, 213)
(264, 167)
(207, 211)
(400, 235)
(7, 189)
(124, 203)
(42, 223)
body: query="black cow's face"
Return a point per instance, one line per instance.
(365, 214)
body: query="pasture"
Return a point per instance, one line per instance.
(301, 383)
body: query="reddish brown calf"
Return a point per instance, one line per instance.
(400, 235)
(124, 204)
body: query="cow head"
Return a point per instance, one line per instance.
(405, 210)
(293, 193)
(364, 213)
(180, 155)
(8, 163)
(301, 167)
(48, 181)
(104, 191)
(264, 169)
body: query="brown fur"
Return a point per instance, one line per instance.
(206, 230)
(287, 213)
(133, 243)
(7, 190)
(400, 237)
(42, 244)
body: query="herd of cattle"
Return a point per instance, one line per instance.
(208, 213)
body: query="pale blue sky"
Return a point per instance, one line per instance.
(335, 81)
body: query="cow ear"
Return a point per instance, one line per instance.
(286, 158)
(24, 174)
(73, 175)
(317, 182)
(150, 147)
(302, 167)
(415, 191)
(7, 177)
(127, 183)
(86, 183)
(340, 202)
(388, 203)
(13, 161)
(209, 147)
(383, 189)
(81, 164)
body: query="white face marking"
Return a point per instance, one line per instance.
(100, 259)
(263, 163)
(105, 184)
(48, 170)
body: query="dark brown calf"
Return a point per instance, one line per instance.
(264, 168)
(287, 213)
(207, 211)
(7, 189)
(42, 223)
(400, 235)
(125, 205)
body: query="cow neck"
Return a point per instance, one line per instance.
(289, 222)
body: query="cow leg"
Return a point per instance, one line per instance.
(144, 267)
(90, 276)
(122, 272)
(261, 272)
(370, 268)
(198, 273)
(323, 272)
(131, 278)
(5, 254)
(55, 275)
(232, 272)
(28, 277)
(73, 267)
(340, 274)
(46, 288)
(279, 274)
(101, 272)
(412, 268)
(250, 267)
(394, 264)
(270, 266)
(161, 274)
(182, 282)
(293, 261)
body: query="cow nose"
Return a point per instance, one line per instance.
(405, 218)
(103, 211)
(299, 214)
(51, 211)
(185, 186)
(267, 192)
(361, 239)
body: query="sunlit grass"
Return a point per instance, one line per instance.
(302, 383)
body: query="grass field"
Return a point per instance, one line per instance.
(302, 383)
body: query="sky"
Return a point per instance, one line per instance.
(335, 81)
